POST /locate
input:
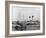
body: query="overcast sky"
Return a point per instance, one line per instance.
(20, 12)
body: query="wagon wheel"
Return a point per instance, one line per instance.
(17, 28)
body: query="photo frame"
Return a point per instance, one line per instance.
(24, 18)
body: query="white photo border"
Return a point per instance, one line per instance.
(24, 32)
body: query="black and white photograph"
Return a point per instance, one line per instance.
(25, 18)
